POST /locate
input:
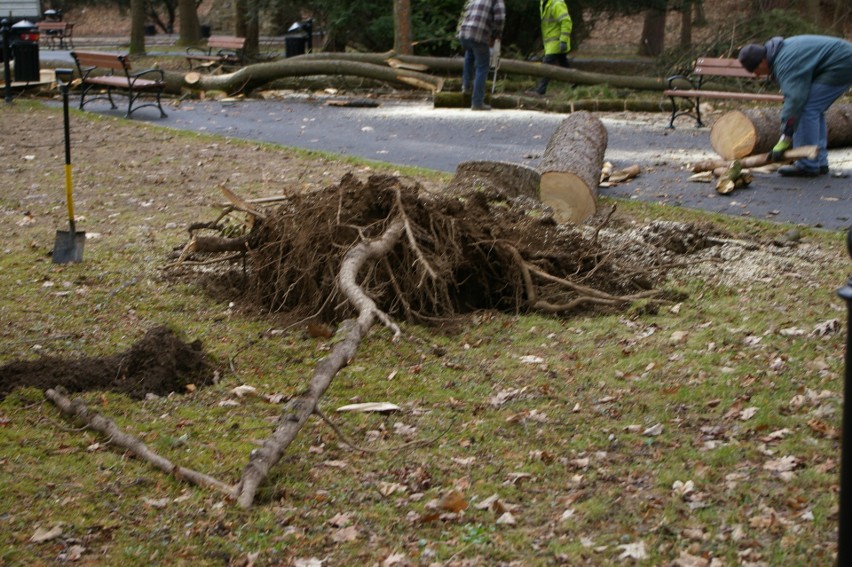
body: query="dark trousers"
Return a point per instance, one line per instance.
(560, 59)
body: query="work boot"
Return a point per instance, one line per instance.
(794, 170)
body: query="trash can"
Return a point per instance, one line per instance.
(205, 31)
(294, 45)
(150, 29)
(23, 43)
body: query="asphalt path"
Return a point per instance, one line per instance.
(414, 133)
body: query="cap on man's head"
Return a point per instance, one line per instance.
(751, 55)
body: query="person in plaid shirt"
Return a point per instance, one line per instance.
(480, 25)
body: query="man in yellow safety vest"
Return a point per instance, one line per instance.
(556, 28)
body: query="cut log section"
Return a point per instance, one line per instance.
(509, 179)
(571, 167)
(741, 133)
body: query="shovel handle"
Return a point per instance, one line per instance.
(69, 198)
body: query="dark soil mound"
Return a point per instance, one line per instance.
(159, 363)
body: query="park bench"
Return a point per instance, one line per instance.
(55, 34)
(111, 72)
(690, 86)
(221, 50)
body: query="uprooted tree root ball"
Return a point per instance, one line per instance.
(459, 252)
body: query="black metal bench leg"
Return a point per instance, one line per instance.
(674, 113)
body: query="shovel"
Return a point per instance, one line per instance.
(68, 246)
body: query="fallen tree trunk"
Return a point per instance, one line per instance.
(507, 66)
(251, 77)
(746, 132)
(510, 179)
(571, 167)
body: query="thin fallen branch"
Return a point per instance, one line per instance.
(78, 410)
(299, 409)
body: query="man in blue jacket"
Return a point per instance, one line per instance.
(812, 71)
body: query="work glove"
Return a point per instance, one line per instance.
(563, 47)
(784, 144)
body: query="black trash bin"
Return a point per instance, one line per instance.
(205, 31)
(23, 43)
(294, 45)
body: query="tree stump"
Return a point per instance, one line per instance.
(571, 167)
(509, 179)
(741, 133)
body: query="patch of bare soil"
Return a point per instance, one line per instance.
(159, 363)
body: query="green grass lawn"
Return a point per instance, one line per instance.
(703, 432)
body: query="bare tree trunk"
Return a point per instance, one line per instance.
(252, 29)
(571, 167)
(653, 33)
(700, 16)
(686, 24)
(240, 18)
(402, 27)
(190, 29)
(137, 27)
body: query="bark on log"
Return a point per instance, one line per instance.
(507, 66)
(741, 133)
(571, 167)
(300, 408)
(251, 77)
(509, 179)
(757, 160)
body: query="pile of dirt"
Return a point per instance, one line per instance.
(159, 363)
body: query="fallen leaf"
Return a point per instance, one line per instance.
(784, 464)
(654, 430)
(158, 503)
(244, 390)
(453, 501)
(310, 562)
(748, 413)
(367, 407)
(340, 520)
(395, 559)
(75, 553)
(506, 519)
(633, 551)
(42, 535)
(349, 533)
(567, 515)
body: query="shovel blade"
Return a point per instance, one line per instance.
(68, 247)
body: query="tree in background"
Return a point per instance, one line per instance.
(402, 42)
(190, 29)
(137, 27)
